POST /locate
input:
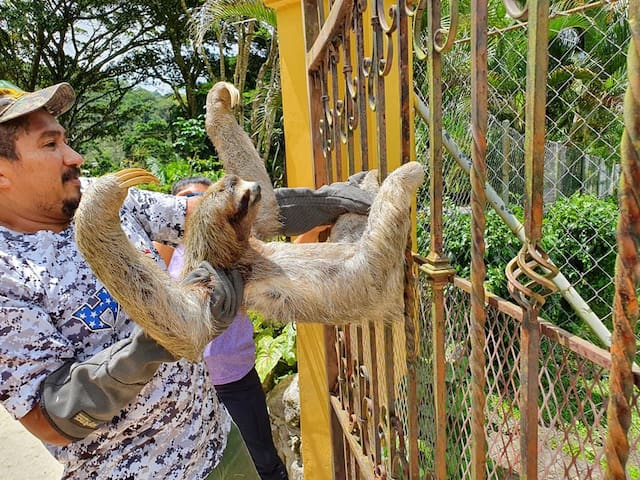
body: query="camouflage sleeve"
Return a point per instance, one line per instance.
(160, 215)
(30, 349)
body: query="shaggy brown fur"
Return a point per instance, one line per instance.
(329, 283)
(239, 156)
(350, 226)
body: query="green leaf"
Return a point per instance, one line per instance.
(268, 354)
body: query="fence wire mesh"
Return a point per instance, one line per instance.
(585, 87)
(586, 82)
(573, 389)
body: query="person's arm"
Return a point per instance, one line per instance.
(30, 348)
(161, 216)
(79, 397)
(316, 234)
(302, 209)
(56, 397)
(37, 424)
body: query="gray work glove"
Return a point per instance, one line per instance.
(226, 290)
(302, 209)
(80, 396)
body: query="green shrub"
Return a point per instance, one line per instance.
(275, 350)
(579, 234)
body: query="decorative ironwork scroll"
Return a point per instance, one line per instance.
(358, 61)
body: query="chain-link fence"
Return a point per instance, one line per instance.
(584, 122)
(585, 89)
(573, 392)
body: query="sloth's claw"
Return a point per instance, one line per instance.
(130, 177)
(234, 93)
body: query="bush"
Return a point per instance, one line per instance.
(275, 350)
(579, 234)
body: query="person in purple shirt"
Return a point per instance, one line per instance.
(230, 360)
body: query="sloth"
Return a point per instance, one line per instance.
(331, 283)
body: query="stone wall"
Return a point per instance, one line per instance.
(283, 402)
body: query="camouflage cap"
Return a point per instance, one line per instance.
(15, 102)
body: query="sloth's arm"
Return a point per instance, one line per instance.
(177, 316)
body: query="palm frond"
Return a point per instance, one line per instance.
(212, 13)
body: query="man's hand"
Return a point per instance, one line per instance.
(302, 209)
(226, 288)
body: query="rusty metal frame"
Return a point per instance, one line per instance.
(352, 45)
(625, 308)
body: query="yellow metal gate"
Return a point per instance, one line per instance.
(468, 384)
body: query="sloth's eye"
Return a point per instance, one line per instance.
(232, 181)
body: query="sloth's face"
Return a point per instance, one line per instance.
(226, 214)
(246, 198)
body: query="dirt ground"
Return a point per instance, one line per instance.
(22, 457)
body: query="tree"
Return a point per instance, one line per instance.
(255, 28)
(100, 47)
(180, 64)
(143, 120)
(156, 137)
(104, 49)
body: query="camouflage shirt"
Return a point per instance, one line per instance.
(53, 309)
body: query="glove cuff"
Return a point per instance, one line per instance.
(79, 397)
(74, 426)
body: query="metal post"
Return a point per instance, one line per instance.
(532, 262)
(479, 120)
(625, 308)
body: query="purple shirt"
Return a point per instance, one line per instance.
(230, 356)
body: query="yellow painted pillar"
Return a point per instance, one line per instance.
(314, 395)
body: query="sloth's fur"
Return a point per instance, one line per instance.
(333, 283)
(350, 226)
(239, 156)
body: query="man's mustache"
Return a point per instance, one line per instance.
(72, 174)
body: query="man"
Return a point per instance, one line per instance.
(107, 400)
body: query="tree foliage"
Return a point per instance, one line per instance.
(108, 49)
(99, 47)
(255, 28)
(104, 49)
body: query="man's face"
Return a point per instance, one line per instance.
(42, 188)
